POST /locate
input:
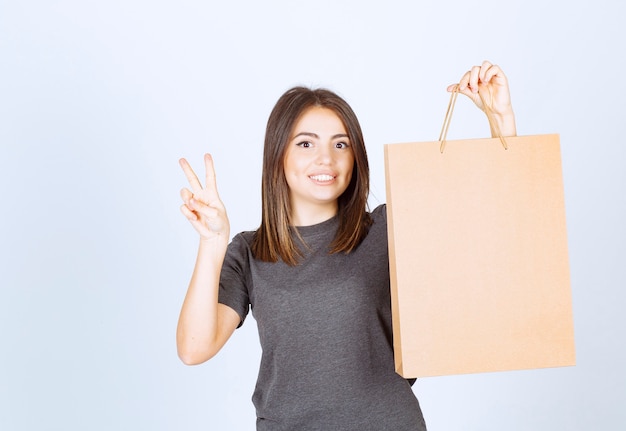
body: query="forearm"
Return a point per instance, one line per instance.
(198, 325)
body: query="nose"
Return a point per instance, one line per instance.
(324, 154)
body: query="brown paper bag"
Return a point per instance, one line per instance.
(478, 256)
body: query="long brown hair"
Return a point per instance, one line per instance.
(274, 239)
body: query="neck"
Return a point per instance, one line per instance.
(312, 214)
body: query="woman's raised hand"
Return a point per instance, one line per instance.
(493, 85)
(202, 205)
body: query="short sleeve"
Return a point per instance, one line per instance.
(235, 277)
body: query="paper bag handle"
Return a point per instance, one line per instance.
(446, 122)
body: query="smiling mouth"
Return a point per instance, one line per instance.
(322, 178)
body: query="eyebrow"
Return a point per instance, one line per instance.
(315, 135)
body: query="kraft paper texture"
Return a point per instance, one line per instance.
(478, 256)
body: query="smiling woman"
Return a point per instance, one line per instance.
(315, 273)
(296, 112)
(318, 166)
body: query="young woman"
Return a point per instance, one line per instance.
(315, 273)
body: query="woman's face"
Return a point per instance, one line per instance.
(318, 165)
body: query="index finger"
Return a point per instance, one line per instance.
(191, 175)
(496, 74)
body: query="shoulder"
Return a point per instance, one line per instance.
(379, 214)
(378, 229)
(243, 238)
(239, 251)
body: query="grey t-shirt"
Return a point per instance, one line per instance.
(325, 332)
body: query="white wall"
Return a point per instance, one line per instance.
(98, 100)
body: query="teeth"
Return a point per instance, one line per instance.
(322, 177)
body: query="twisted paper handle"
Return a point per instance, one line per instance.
(446, 122)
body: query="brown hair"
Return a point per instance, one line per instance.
(274, 239)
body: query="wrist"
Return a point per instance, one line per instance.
(216, 244)
(505, 123)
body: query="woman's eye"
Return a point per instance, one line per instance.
(304, 144)
(341, 145)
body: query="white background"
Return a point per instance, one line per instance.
(99, 99)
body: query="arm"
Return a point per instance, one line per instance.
(204, 326)
(494, 87)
